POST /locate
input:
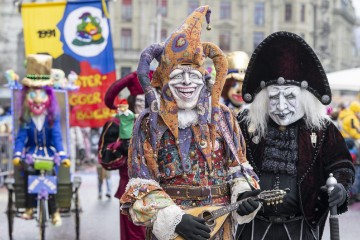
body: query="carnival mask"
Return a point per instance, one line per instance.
(139, 103)
(37, 100)
(235, 94)
(185, 85)
(285, 104)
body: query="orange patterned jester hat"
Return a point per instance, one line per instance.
(183, 47)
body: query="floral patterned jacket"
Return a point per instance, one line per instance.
(153, 171)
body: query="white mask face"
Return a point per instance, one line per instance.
(284, 104)
(139, 103)
(185, 85)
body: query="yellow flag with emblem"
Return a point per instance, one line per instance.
(40, 31)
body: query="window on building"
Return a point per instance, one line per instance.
(225, 9)
(163, 35)
(126, 10)
(288, 12)
(125, 71)
(163, 8)
(225, 41)
(126, 38)
(192, 5)
(302, 14)
(257, 38)
(259, 14)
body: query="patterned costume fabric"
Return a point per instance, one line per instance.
(162, 155)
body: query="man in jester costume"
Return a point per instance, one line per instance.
(186, 150)
(39, 132)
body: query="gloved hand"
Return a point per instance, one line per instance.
(66, 163)
(193, 228)
(337, 195)
(16, 161)
(124, 147)
(249, 205)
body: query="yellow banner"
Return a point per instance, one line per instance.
(40, 31)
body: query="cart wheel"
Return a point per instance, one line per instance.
(77, 216)
(10, 212)
(42, 218)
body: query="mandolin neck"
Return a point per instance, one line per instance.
(222, 211)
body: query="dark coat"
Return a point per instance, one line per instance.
(330, 155)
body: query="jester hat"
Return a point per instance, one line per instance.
(183, 47)
(38, 71)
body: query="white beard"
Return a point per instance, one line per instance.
(186, 118)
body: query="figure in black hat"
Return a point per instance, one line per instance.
(291, 142)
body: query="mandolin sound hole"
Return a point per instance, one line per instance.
(207, 215)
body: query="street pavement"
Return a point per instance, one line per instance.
(100, 218)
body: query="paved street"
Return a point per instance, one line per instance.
(99, 219)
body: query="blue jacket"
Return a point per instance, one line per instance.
(42, 143)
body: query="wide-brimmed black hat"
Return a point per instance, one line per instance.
(285, 58)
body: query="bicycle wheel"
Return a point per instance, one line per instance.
(42, 218)
(77, 216)
(10, 212)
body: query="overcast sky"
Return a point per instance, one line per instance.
(356, 4)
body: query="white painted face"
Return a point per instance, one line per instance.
(285, 104)
(185, 85)
(139, 103)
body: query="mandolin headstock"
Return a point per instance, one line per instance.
(272, 197)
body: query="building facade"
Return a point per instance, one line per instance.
(327, 25)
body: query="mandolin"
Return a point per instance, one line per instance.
(215, 216)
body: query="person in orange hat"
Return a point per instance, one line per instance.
(115, 137)
(186, 153)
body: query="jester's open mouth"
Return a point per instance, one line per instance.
(186, 92)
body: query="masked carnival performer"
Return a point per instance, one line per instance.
(39, 131)
(186, 151)
(291, 143)
(115, 138)
(231, 94)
